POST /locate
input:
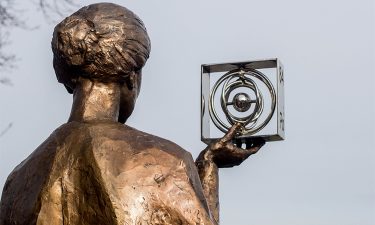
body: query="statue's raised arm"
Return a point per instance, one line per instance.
(222, 154)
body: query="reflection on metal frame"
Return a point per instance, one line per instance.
(243, 78)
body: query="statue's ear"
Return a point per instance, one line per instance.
(131, 80)
(70, 91)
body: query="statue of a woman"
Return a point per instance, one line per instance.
(94, 169)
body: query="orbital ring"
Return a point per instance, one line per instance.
(242, 81)
(258, 102)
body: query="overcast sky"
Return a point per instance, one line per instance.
(323, 174)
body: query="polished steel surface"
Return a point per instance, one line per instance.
(241, 102)
(243, 78)
(96, 170)
(256, 111)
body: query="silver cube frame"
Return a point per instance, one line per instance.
(206, 73)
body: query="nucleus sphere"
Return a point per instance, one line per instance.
(241, 102)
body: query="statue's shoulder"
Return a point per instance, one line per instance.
(127, 140)
(46, 151)
(23, 187)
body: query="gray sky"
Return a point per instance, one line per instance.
(323, 174)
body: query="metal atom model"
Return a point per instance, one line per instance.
(249, 93)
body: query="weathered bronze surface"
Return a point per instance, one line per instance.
(94, 169)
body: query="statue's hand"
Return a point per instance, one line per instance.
(226, 154)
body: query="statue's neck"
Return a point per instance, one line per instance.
(93, 100)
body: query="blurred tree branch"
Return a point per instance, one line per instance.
(53, 9)
(6, 129)
(10, 17)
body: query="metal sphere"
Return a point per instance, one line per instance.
(241, 102)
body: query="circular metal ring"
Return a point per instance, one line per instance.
(243, 80)
(227, 89)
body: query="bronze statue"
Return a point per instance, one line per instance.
(94, 169)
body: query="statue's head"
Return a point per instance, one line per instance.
(102, 42)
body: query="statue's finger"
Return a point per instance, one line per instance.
(243, 154)
(240, 152)
(238, 142)
(231, 133)
(259, 142)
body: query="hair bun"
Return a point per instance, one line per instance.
(102, 41)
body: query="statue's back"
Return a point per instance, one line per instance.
(104, 173)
